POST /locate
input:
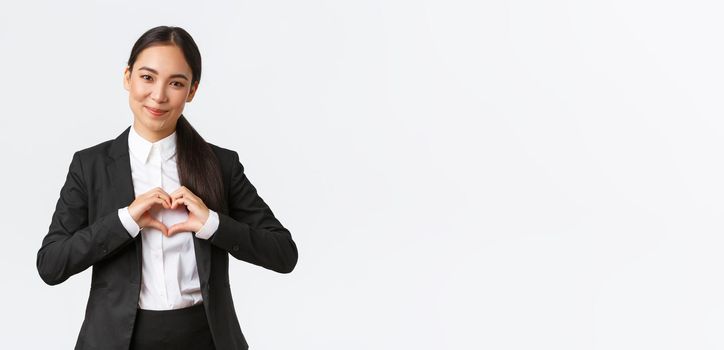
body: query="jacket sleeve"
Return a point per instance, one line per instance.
(72, 245)
(250, 232)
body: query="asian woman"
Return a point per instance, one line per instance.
(156, 212)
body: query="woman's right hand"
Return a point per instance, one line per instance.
(140, 206)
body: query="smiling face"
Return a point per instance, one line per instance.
(159, 85)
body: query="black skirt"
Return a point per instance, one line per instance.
(177, 329)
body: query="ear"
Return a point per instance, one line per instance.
(192, 92)
(127, 78)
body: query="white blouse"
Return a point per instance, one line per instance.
(169, 278)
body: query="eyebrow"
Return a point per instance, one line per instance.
(177, 75)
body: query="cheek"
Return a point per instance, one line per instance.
(138, 92)
(178, 98)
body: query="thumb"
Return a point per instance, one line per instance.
(180, 227)
(157, 225)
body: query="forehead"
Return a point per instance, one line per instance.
(166, 59)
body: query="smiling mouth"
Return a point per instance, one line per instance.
(154, 111)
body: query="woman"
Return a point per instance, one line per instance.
(156, 212)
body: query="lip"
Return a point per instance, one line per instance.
(154, 111)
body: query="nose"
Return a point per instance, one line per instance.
(158, 94)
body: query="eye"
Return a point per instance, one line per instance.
(144, 76)
(177, 84)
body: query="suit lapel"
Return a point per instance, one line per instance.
(123, 194)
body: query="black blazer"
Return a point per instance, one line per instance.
(85, 231)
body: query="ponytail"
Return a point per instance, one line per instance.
(198, 166)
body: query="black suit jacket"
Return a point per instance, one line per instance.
(86, 231)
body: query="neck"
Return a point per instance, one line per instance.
(152, 135)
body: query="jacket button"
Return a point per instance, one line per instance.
(235, 248)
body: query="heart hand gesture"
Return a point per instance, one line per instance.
(198, 212)
(140, 207)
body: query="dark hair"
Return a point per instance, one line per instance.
(198, 167)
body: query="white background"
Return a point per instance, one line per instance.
(456, 174)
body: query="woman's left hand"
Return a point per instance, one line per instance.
(198, 212)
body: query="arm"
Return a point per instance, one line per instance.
(72, 245)
(250, 232)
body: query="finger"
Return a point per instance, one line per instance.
(180, 227)
(180, 193)
(154, 192)
(199, 211)
(157, 225)
(183, 191)
(184, 200)
(177, 201)
(174, 197)
(156, 200)
(160, 190)
(142, 205)
(160, 193)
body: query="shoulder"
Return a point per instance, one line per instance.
(90, 161)
(93, 155)
(101, 154)
(231, 168)
(225, 155)
(97, 156)
(100, 149)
